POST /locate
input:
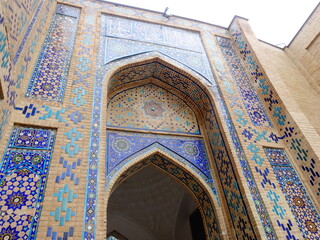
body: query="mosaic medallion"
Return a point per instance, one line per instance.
(9, 234)
(153, 109)
(16, 201)
(18, 158)
(36, 159)
(121, 145)
(190, 149)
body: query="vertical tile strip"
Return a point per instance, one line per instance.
(307, 217)
(50, 75)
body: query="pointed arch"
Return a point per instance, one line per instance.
(187, 177)
(176, 77)
(206, 98)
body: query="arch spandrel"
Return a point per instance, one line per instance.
(148, 147)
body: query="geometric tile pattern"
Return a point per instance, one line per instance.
(287, 127)
(31, 110)
(72, 148)
(4, 51)
(287, 228)
(24, 172)
(7, 84)
(28, 110)
(250, 98)
(34, 13)
(76, 117)
(121, 145)
(124, 37)
(215, 139)
(26, 52)
(49, 77)
(31, 138)
(63, 213)
(68, 173)
(54, 235)
(19, 15)
(78, 100)
(198, 191)
(307, 217)
(279, 210)
(160, 109)
(53, 114)
(160, 70)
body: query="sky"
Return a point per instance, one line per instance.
(273, 21)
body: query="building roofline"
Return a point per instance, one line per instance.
(271, 44)
(318, 5)
(234, 18)
(128, 6)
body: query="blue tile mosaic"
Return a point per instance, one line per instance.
(122, 145)
(307, 217)
(161, 70)
(81, 78)
(68, 172)
(249, 96)
(156, 105)
(72, 148)
(287, 228)
(181, 82)
(24, 171)
(119, 48)
(31, 138)
(223, 73)
(28, 46)
(54, 235)
(150, 32)
(50, 113)
(49, 77)
(27, 33)
(63, 213)
(123, 37)
(28, 110)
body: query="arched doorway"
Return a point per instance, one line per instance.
(128, 140)
(152, 169)
(150, 205)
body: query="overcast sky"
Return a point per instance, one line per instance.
(273, 21)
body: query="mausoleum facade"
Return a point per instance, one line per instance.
(123, 123)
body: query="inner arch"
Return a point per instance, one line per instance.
(150, 205)
(193, 184)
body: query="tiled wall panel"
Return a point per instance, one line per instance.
(24, 172)
(49, 78)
